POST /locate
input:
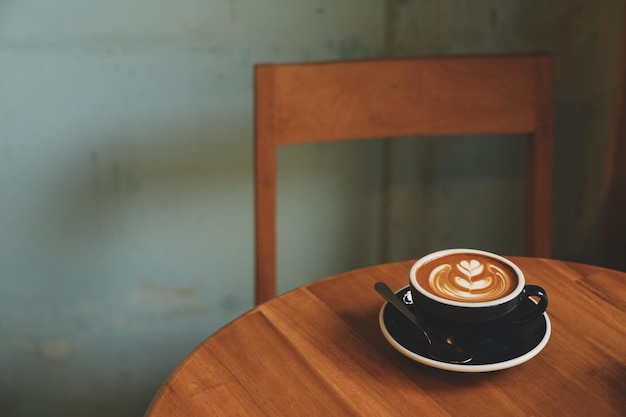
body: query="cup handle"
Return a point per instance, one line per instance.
(538, 309)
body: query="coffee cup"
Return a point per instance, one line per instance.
(472, 290)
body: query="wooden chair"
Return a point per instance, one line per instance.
(331, 101)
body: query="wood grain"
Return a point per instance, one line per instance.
(329, 101)
(318, 351)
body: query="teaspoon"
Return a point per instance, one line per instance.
(444, 352)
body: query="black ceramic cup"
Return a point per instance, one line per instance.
(471, 293)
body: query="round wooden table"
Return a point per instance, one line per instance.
(319, 350)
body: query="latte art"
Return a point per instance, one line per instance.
(467, 278)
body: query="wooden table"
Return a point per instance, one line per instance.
(319, 350)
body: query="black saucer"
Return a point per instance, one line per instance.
(506, 349)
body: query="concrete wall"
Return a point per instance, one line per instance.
(126, 172)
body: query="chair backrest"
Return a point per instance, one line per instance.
(329, 101)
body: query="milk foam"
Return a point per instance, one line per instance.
(470, 280)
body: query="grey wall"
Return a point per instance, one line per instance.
(126, 172)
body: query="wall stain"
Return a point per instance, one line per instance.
(172, 314)
(233, 10)
(150, 292)
(51, 351)
(232, 303)
(350, 48)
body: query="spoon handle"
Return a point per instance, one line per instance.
(445, 352)
(384, 290)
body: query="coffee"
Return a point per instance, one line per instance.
(467, 277)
